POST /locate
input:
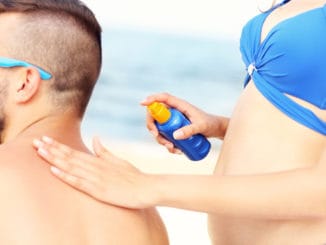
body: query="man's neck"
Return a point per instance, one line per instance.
(63, 128)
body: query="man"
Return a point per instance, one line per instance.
(269, 185)
(50, 60)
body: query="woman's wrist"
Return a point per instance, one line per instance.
(159, 191)
(150, 194)
(219, 125)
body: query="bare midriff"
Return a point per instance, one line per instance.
(261, 139)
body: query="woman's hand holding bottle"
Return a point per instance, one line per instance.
(201, 122)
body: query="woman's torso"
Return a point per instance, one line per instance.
(263, 139)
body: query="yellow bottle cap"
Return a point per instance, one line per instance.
(159, 112)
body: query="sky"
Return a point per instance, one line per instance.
(196, 17)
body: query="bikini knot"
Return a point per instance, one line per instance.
(251, 68)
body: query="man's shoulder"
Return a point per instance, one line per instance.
(14, 162)
(8, 166)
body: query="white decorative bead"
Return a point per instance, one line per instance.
(251, 69)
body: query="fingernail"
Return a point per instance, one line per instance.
(179, 152)
(178, 134)
(144, 101)
(42, 152)
(55, 170)
(37, 143)
(169, 145)
(47, 139)
(154, 133)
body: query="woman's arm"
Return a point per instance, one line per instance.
(286, 195)
(293, 194)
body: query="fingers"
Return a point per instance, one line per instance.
(78, 169)
(159, 138)
(99, 149)
(169, 100)
(105, 155)
(160, 97)
(170, 147)
(72, 162)
(186, 132)
(82, 184)
(151, 125)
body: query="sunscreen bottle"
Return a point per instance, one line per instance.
(168, 120)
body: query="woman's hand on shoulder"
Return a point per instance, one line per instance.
(103, 176)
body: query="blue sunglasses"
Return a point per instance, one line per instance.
(7, 63)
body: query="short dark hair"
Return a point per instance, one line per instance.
(64, 38)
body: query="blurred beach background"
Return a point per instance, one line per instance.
(187, 48)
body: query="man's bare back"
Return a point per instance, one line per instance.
(39, 209)
(47, 74)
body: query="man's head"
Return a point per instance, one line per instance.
(61, 38)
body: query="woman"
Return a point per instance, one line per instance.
(269, 185)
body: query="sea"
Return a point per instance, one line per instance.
(206, 71)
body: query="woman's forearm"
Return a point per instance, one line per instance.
(286, 195)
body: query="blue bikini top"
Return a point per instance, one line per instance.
(291, 60)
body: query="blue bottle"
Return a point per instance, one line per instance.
(167, 121)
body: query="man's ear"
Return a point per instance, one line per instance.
(27, 85)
